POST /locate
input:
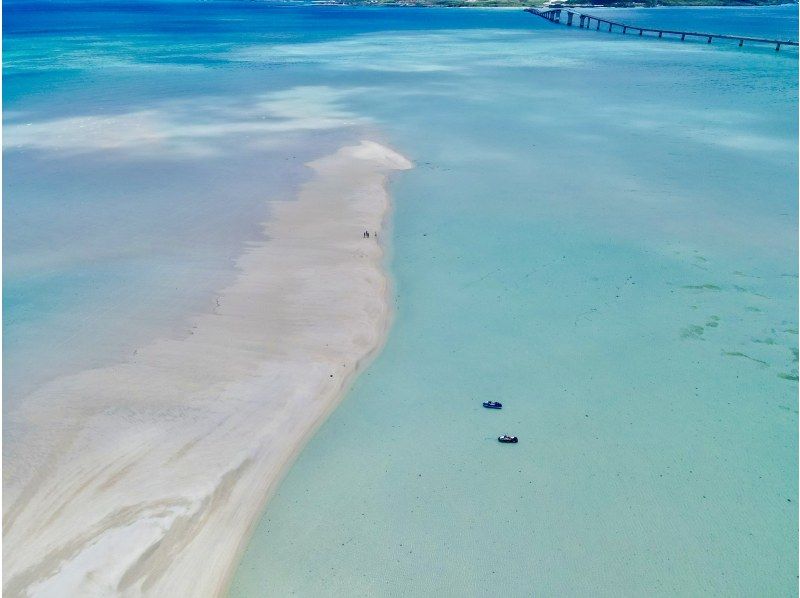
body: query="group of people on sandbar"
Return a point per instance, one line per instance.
(366, 234)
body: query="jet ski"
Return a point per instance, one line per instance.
(506, 439)
(492, 405)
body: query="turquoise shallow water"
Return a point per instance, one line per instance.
(600, 231)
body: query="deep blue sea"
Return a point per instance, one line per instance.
(600, 231)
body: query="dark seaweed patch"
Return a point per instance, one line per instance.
(702, 287)
(740, 354)
(693, 332)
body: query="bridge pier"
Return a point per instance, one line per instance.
(683, 36)
(582, 18)
(624, 29)
(660, 34)
(640, 32)
(569, 18)
(709, 39)
(778, 47)
(741, 43)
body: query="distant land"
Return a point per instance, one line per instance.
(567, 3)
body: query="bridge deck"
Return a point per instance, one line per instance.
(554, 16)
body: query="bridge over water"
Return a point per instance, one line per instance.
(586, 21)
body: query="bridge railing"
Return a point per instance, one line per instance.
(585, 21)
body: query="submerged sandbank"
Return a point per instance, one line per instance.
(145, 477)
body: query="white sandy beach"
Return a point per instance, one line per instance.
(145, 478)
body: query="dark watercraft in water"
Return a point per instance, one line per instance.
(492, 405)
(508, 439)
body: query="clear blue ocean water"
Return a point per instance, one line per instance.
(600, 231)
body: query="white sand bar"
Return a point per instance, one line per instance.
(145, 478)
